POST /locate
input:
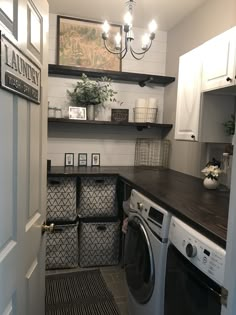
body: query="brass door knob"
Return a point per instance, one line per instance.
(48, 228)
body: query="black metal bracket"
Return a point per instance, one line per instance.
(144, 82)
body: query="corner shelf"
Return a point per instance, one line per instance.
(139, 126)
(141, 79)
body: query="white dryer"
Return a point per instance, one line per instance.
(194, 272)
(145, 255)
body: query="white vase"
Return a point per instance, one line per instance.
(210, 183)
(90, 112)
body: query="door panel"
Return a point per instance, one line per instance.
(35, 31)
(6, 174)
(23, 136)
(34, 146)
(189, 95)
(219, 61)
(8, 240)
(9, 15)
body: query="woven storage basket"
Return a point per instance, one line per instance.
(97, 197)
(151, 152)
(61, 199)
(62, 247)
(145, 114)
(99, 243)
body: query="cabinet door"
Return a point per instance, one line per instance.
(219, 61)
(189, 95)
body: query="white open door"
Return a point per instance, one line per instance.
(23, 136)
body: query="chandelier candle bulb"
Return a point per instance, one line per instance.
(152, 26)
(118, 40)
(128, 19)
(145, 41)
(106, 27)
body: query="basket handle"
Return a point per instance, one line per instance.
(101, 227)
(58, 229)
(54, 182)
(99, 181)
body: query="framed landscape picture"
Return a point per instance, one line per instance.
(80, 44)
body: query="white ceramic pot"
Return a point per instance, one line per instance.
(90, 112)
(210, 183)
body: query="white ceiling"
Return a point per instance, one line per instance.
(166, 12)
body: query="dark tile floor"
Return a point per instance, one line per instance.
(115, 280)
(114, 277)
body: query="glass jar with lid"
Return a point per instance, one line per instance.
(226, 170)
(58, 113)
(51, 112)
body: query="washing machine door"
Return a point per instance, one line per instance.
(139, 262)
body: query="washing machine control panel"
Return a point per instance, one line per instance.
(154, 215)
(200, 251)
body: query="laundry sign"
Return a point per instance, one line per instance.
(19, 74)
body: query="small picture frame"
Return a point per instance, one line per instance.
(82, 159)
(77, 113)
(69, 159)
(95, 159)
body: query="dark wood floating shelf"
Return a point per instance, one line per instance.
(141, 79)
(139, 126)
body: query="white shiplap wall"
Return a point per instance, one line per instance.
(115, 144)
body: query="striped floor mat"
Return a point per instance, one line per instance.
(79, 293)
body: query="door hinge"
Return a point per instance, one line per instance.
(224, 296)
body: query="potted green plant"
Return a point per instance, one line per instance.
(89, 93)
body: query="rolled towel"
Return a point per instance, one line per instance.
(125, 225)
(140, 102)
(152, 102)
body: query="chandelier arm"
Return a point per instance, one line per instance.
(114, 52)
(137, 58)
(143, 52)
(126, 50)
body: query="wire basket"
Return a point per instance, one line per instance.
(151, 152)
(145, 114)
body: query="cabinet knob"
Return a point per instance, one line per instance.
(228, 79)
(193, 137)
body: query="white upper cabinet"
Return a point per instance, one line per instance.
(189, 95)
(219, 61)
(200, 115)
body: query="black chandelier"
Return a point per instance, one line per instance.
(129, 36)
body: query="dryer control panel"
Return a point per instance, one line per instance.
(199, 250)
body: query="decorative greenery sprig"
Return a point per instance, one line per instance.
(230, 126)
(87, 92)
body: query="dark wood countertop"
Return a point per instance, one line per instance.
(183, 195)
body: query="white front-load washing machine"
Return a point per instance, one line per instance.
(145, 255)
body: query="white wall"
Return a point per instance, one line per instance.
(115, 144)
